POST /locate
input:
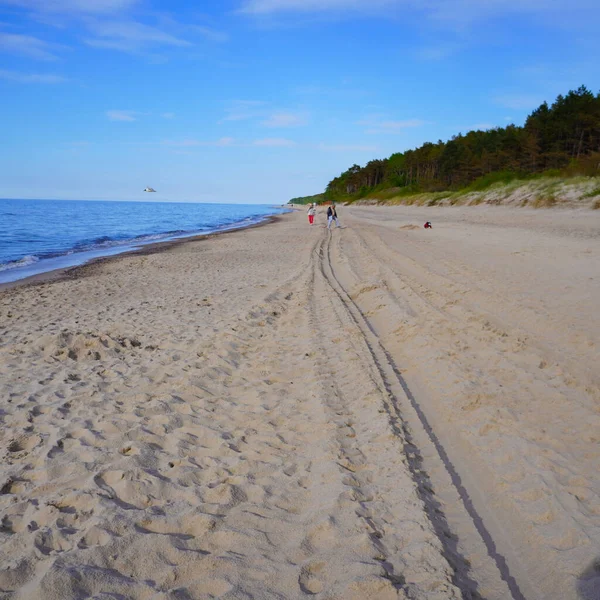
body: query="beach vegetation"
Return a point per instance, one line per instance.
(592, 193)
(557, 142)
(317, 198)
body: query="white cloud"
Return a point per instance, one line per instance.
(73, 6)
(121, 115)
(129, 36)
(211, 34)
(464, 12)
(242, 110)
(168, 115)
(26, 45)
(258, 7)
(285, 119)
(107, 24)
(274, 142)
(30, 77)
(245, 110)
(449, 13)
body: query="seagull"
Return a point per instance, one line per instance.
(149, 189)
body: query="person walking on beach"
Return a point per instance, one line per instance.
(332, 216)
(311, 213)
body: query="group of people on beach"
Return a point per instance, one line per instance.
(331, 214)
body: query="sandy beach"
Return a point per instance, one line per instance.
(380, 411)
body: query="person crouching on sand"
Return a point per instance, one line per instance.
(332, 216)
(311, 213)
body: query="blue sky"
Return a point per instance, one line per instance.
(263, 100)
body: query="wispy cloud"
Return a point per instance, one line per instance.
(211, 34)
(242, 110)
(264, 7)
(73, 6)
(121, 115)
(245, 110)
(451, 14)
(26, 45)
(168, 115)
(285, 119)
(466, 12)
(30, 77)
(274, 142)
(130, 36)
(377, 125)
(107, 24)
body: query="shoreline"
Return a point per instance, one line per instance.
(149, 248)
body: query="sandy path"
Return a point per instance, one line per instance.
(492, 318)
(207, 422)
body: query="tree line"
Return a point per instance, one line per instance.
(563, 138)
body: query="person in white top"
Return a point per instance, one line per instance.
(312, 210)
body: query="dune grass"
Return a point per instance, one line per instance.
(544, 190)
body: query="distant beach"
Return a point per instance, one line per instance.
(374, 412)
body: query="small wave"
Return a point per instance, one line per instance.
(148, 237)
(17, 264)
(106, 242)
(112, 242)
(98, 242)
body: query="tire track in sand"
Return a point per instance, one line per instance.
(399, 402)
(373, 449)
(521, 437)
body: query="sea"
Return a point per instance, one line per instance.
(42, 235)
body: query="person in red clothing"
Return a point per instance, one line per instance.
(428, 225)
(311, 213)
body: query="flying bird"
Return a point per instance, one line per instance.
(149, 189)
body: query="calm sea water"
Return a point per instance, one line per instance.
(41, 235)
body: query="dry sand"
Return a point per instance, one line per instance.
(377, 412)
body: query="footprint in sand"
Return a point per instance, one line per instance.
(312, 578)
(53, 541)
(321, 537)
(94, 537)
(24, 444)
(193, 525)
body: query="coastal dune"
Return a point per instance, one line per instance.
(379, 411)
